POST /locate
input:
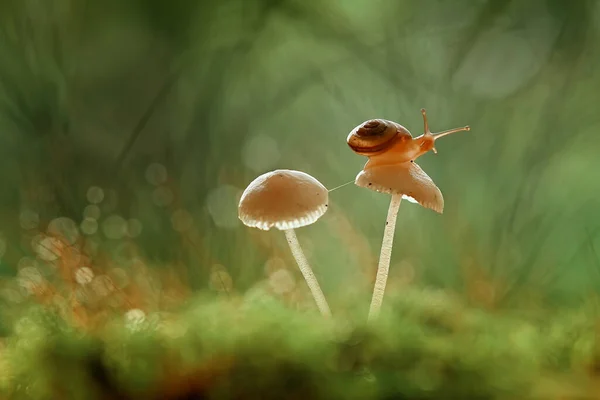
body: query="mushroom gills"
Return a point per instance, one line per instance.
(407, 179)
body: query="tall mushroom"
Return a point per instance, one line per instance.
(287, 199)
(391, 169)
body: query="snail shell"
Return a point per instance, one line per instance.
(375, 136)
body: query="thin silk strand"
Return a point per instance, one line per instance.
(310, 278)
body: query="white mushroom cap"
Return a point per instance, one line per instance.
(283, 199)
(407, 179)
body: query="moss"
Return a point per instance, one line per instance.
(425, 345)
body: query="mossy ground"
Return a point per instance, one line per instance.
(425, 345)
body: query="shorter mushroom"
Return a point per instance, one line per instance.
(287, 199)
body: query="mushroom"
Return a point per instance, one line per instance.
(391, 169)
(287, 199)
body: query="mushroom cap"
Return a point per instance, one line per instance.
(283, 199)
(407, 179)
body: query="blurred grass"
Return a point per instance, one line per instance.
(171, 109)
(223, 91)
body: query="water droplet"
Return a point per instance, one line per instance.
(156, 174)
(222, 205)
(92, 211)
(95, 195)
(114, 227)
(84, 275)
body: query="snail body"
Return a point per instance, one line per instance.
(386, 142)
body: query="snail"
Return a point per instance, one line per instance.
(392, 169)
(387, 142)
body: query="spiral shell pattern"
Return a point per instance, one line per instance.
(374, 136)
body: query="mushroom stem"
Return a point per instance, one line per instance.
(307, 272)
(385, 256)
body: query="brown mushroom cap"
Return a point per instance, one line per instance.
(407, 179)
(283, 199)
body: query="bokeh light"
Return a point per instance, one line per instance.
(274, 264)
(111, 201)
(48, 248)
(260, 153)
(134, 318)
(102, 285)
(92, 211)
(156, 174)
(89, 226)
(11, 295)
(84, 275)
(95, 195)
(29, 279)
(64, 229)
(282, 281)
(29, 219)
(25, 262)
(118, 277)
(222, 205)
(162, 196)
(114, 227)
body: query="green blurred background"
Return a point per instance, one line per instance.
(139, 123)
